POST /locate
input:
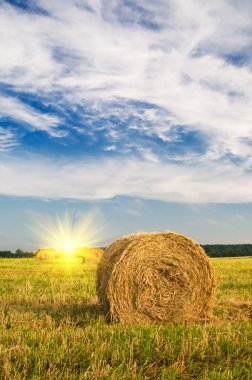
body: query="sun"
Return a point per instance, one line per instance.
(69, 248)
(67, 232)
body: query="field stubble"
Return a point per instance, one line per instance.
(52, 328)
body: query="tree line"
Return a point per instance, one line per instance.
(17, 254)
(212, 250)
(228, 250)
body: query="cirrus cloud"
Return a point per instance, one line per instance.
(187, 67)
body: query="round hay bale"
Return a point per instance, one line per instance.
(155, 277)
(45, 254)
(92, 255)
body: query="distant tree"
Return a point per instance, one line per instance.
(6, 254)
(19, 252)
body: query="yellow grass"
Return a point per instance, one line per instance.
(51, 328)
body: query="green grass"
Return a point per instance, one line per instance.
(51, 328)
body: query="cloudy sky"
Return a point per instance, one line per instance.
(140, 107)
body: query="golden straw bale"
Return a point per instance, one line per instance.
(91, 255)
(155, 277)
(45, 254)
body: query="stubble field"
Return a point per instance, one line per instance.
(52, 328)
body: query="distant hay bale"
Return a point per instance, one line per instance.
(91, 255)
(45, 254)
(155, 277)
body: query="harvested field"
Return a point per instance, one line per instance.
(51, 328)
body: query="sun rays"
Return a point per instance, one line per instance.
(69, 231)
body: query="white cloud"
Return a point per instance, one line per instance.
(34, 120)
(180, 67)
(7, 139)
(114, 60)
(104, 180)
(110, 148)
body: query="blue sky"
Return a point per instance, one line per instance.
(127, 102)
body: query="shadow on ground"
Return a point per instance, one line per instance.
(60, 314)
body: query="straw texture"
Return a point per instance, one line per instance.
(155, 277)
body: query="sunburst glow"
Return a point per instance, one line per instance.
(69, 248)
(67, 232)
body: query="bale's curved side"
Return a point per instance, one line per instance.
(91, 255)
(155, 276)
(45, 254)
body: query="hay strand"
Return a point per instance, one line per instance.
(155, 277)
